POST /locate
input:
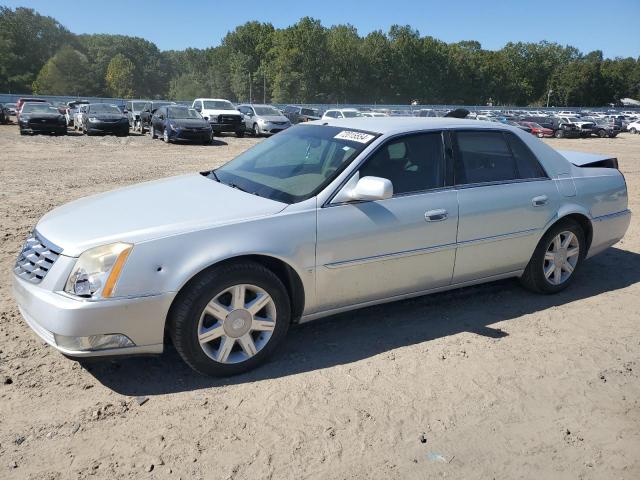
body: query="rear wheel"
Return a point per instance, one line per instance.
(633, 130)
(556, 258)
(602, 133)
(240, 133)
(230, 319)
(559, 133)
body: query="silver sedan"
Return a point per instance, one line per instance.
(319, 219)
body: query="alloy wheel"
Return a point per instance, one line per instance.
(561, 257)
(237, 323)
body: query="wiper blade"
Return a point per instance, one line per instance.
(215, 177)
(238, 187)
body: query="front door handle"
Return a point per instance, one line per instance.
(436, 215)
(539, 201)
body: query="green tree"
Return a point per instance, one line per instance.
(120, 77)
(64, 74)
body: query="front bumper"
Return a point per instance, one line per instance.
(272, 128)
(49, 313)
(108, 127)
(44, 128)
(190, 135)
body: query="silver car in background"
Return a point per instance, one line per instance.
(322, 218)
(263, 119)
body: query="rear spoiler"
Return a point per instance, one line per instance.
(589, 160)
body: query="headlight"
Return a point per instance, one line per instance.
(173, 126)
(93, 119)
(262, 121)
(97, 270)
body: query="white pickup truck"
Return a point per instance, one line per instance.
(221, 115)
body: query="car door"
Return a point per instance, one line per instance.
(505, 201)
(372, 250)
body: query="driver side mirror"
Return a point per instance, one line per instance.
(365, 189)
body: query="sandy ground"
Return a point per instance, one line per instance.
(485, 382)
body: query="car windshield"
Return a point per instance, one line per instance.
(295, 164)
(137, 106)
(309, 112)
(351, 113)
(182, 112)
(38, 108)
(103, 108)
(217, 105)
(573, 119)
(535, 125)
(266, 111)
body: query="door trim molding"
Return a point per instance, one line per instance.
(389, 256)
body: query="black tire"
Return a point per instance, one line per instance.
(165, 137)
(22, 132)
(559, 133)
(633, 130)
(602, 133)
(240, 133)
(256, 130)
(152, 132)
(533, 277)
(191, 301)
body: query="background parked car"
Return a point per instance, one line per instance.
(10, 108)
(148, 110)
(634, 127)
(559, 128)
(538, 130)
(297, 114)
(178, 122)
(604, 127)
(342, 113)
(4, 114)
(586, 126)
(263, 119)
(72, 109)
(103, 118)
(22, 101)
(134, 109)
(41, 117)
(221, 114)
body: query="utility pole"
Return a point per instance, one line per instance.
(548, 96)
(250, 88)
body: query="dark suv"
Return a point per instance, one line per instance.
(147, 112)
(560, 128)
(297, 114)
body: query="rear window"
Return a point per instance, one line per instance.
(483, 157)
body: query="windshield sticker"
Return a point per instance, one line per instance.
(355, 136)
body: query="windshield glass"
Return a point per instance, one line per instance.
(137, 106)
(309, 112)
(573, 119)
(266, 111)
(294, 164)
(103, 108)
(351, 114)
(217, 105)
(182, 112)
(38, 108)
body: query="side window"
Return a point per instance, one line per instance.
(413, 163)
(483, 157)
(128, 106)
(527, 164)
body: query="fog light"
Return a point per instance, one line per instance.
(93, 342)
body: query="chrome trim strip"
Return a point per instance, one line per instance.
(497, 238)
(420, 251)
(388, 256)
(314, 316)
(609, 216)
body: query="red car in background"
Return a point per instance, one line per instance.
(537, 129)
(22, 101)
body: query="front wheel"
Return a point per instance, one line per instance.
(165, 136)
(556, 258)
(559, 133)
(152, 132)
(633, 130)
(602, 133)
(256, 130)
(230, 319)
(240, 133)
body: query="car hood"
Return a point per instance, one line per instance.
(41, 115)
(189, 122)
(106, 116)
(150, 210)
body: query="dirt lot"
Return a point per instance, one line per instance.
(485, 382)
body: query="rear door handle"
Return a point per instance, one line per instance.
(539, 201)
(436, 215)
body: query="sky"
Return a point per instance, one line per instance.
(607, 25)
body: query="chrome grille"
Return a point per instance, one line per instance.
(36, 258)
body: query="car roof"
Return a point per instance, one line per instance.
(393, 125)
